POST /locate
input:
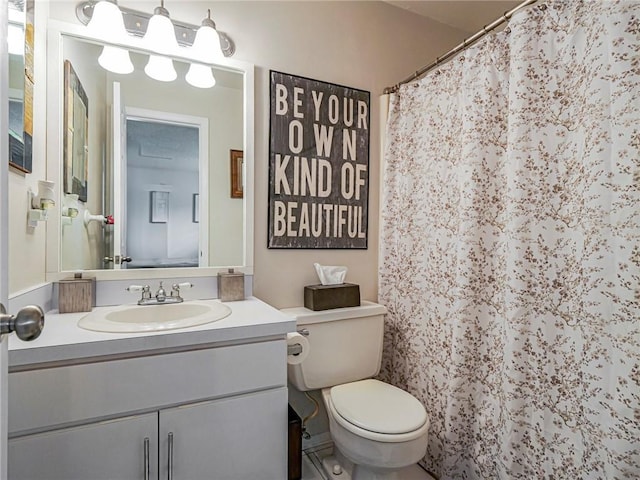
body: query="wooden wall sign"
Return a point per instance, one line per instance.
(318, 164)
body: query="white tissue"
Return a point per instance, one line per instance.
(329, 275)
(295, 338)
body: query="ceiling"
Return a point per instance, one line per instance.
(468, 15)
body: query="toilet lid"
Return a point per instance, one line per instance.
(378, 407)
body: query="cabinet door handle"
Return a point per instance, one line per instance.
(146, 458)
(170, 465)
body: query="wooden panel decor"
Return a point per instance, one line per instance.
(76, 294)
(21, 95)
(76, 134)
(318, 164)
(236, 168)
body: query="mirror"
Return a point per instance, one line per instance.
(21, 79)
(145, 178)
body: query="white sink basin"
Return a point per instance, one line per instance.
(153, 318)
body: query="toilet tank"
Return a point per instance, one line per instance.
(345, 345)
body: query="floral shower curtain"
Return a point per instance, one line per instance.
(510, 257)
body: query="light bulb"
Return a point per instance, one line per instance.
(161, 35)
(106, 21)
(200, 76)
(206, 45)
(115, 59)
(160, 68)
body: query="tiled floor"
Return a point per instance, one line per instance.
(312, 464)
(309, 470)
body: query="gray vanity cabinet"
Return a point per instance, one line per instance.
(228, 439)
(98, 451)
(212, 413)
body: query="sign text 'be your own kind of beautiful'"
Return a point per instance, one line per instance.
(319, 161)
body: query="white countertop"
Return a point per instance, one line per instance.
(62, 341)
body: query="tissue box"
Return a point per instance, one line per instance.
(76, 294)
(325, 297)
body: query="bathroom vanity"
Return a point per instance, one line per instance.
(201, 402)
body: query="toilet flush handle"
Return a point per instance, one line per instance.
(304, 332)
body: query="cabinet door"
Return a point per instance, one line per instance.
(113, 449)
(236, 438)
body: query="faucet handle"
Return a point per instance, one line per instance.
(137, 288)
(175, 288)
(145, 289)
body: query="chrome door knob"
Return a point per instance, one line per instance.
(28, 323)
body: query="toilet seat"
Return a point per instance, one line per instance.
(377, 411)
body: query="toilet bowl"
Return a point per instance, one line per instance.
(378, 427)
(379, 431)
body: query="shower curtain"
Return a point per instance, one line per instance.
(510, 251)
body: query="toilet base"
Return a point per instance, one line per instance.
(412, 472)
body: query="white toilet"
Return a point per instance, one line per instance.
(379, 431)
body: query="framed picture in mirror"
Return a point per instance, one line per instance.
(195, 208)
(237, 160)
(159, 207)
(76, 134)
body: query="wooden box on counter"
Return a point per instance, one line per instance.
(325, 297)
(76, 294)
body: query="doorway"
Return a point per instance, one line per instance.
(163, 173)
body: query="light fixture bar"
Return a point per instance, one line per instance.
(135, 22)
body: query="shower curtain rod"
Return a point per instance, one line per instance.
(467, 42)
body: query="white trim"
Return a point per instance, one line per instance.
(54, 80)
(42, 294)
(248, 189)
(4, 230)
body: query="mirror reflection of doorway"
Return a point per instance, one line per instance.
(162, 176)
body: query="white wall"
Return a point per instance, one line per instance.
(27, 246)
(367, 45)
(83, 246)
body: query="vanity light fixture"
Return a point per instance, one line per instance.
(206, 47)
(207, 43)
(107, 23)
(135, 23)
(160, 68)
(160, 34)
(200, 76)
(115, 59)
(161, 37)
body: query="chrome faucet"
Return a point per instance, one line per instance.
(160, 297)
